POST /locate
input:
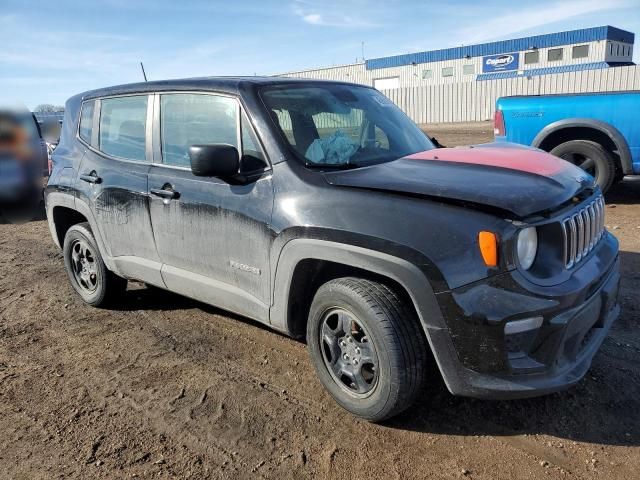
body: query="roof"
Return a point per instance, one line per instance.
(219, 84)
(505, 46)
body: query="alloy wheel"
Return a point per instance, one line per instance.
(84, 266)
(584, 162)
(348, 352)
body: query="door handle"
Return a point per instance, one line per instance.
(165, 193)
(91, 178)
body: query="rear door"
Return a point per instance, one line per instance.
(113, 180)
(213, 237)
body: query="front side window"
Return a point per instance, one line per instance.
(86, 121)
(252, 156)
(122, 127)
(531, 57)
(580, 51)
(427, 74)
(447, 72)
(195, 119)
(468, 70)
(554, 55)
(342, 125)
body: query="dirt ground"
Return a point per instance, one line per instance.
(166, 387)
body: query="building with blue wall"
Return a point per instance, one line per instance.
(575, 50)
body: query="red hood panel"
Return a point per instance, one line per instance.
(508, 177)
(521, 159)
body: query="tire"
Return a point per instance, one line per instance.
(591, 157)
(88, 274)
(619, 176)
(389, 347)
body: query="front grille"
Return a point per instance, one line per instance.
(582, 231)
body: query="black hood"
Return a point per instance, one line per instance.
(519, 180)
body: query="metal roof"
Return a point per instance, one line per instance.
(505, 46)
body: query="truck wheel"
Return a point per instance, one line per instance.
(591, 157)
(367, 347)
(87, 272)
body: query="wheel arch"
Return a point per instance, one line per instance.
(299, 255)
(303, 258)
(63, 219)
(598, 131)
(310, 274)
(64, 211)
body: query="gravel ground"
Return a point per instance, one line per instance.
(166, 387)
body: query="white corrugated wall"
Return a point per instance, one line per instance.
(412, 75)
(475, 101)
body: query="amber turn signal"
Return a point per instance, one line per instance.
(488, 243)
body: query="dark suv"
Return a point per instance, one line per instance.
(23, 156)
(321, 210)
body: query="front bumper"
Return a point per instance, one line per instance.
(477, 359)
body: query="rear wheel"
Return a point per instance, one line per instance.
(87, 272)
(591, 157)
(367, 347)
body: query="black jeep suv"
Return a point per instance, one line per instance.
(321, 210)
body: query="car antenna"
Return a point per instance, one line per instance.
(143, 72)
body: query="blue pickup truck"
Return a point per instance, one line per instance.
(600, 132)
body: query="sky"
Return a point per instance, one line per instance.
(54, 49)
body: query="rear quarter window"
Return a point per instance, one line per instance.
(86, 121)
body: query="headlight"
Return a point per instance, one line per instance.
(527, 247)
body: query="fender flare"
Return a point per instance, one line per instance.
(609, 130)
(53, 200)
(67, 200)
(407, 275)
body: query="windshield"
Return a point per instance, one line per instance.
(342, 125)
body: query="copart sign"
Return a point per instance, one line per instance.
(500, 63)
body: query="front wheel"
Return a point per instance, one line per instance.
(591, 157)
(87, 272)
(367, 347)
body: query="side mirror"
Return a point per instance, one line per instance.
(214, 160)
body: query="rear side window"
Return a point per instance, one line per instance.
(86, 121)
(193, 119)
(122, 127)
